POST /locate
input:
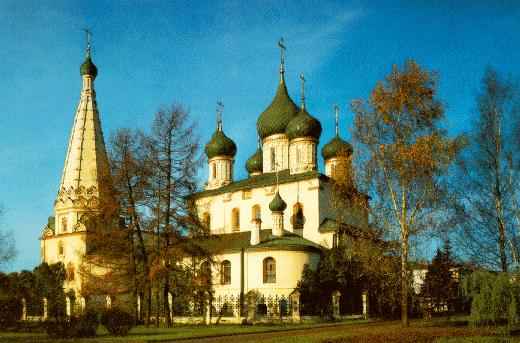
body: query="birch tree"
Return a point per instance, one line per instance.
(403, 154)
(487, 178)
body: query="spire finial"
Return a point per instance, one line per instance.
(282, 58)
(336, 111)
(302, 79)
(89, 36)
(220, 109)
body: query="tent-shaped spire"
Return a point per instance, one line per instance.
(86, 171)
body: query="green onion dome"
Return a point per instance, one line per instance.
(303, 125)
(220, 145)
(255, 163)
(88, 68)
(278, 114)
(336, 147)
(277, 204)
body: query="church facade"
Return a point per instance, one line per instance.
(282, 216)
(271, 224)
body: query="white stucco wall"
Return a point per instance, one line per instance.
(280, 144)
(220, 206)
(289, 267)
(302, 155)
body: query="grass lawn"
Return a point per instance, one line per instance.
(142, 334)
(358, 331)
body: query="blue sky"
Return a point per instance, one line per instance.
(153, 53)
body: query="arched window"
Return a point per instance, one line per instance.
(213, 170)
(273, 159)
(269, 270)
(225, 273)
(70, 272)
(205, 272)
(235, 219)
(61, 249)
(255, 212)
(206, 220)
(63, 224)
(297, 218)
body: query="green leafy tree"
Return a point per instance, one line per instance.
(440, 286)
(49, 281)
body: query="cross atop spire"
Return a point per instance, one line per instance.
(220, 109)
(89, 36)
(336, 111)
(282, 57)
(302, 79)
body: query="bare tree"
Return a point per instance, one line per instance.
(131, 177)
(172, 149)
(404, 155)
(487, 176)
(7, 245)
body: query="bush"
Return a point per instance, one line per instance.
(117, 321)
(75, 327)
(10, 312)
(57, 328)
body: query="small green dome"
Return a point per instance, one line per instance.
(336, 147)
(277, 204)
(88, 68)
(278, 114)
(303, 125)
(220, 145)
(255, 163)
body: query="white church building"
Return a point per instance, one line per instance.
(282, 216)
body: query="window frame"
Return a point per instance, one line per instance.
(225, 272)
(269, 270)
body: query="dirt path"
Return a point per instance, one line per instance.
(308, 335)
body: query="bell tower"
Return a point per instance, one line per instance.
(85, 183)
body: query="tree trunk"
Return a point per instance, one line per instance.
(502, 245)
(404, 277)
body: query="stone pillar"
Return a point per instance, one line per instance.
(24, 309)
(108, 302)
(45, 309)
(207, 309)
(170, 305)
(82, 304)
(251, 306)
(364, 297)
(255, 232)
(139, 307)
(336, 296)
(295, 305)
(67, 306)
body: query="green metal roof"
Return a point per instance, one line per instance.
(262, 180)
(220, 145)
(242, 240)
(336, 147)
(255, 163)
(88, 68)
(277, 204)
(278, 114)
(303, 125)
